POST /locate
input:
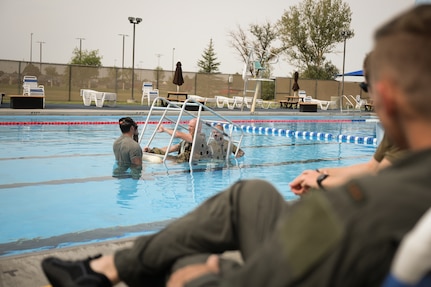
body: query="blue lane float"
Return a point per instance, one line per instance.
(305, 134)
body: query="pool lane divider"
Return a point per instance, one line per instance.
(71, 123)
(249, 129)
(305, 134)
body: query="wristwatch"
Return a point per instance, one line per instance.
(321, 178)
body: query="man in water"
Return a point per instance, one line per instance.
(127, 151)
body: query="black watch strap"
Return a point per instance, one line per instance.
(321, 178)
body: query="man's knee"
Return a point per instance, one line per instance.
(255, 190)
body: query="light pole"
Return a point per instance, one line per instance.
(122, 62)
(40, 53)
(173, 55)
(134, 21)
(31, 47)
(80, 48)
(158, 69)
(345, 34)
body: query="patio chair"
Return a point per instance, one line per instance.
(355, 102)
(257, 67)
(302, 95)
(240, 101)
(324, 105)
(31, 87)
(199, 99)
(222, 101)
(270, 104)
(148, 93)
(98, 98)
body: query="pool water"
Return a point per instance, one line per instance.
(57, 189)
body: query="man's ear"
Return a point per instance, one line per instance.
(387, 93)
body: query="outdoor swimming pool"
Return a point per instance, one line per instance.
(56, 187)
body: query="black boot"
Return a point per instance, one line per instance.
(61, 273)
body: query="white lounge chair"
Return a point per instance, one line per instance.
(222, 101)
(270, 104)
(239, 101)
(148, 93)
(31, 87)
(98, 98)
(199, 99)
(324, 105)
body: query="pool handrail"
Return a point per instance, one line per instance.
(180, 109)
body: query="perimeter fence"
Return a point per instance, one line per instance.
(63, 82)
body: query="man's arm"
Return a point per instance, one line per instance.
(137, 161)
(336, 176)
(184, 136)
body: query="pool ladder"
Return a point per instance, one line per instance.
(177, 113)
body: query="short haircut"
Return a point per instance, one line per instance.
(126, 123)
(402, 54)
(367, 68)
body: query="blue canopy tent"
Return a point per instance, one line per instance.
(354, 73)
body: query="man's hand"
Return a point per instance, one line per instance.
(306, 180)
(183, 275)
(161, 129)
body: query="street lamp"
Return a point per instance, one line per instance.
(80, 48)
(134, 21)
(345, 34)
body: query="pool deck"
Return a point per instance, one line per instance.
(138, 110)
(24, 270)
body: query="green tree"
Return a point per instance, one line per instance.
(208, 63)
(86, 58)
(311, 30)
(258, 43)
(87, 69)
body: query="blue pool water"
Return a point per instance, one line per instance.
(56, 187)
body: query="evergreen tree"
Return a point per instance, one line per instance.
(208, 63)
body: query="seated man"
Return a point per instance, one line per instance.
(184, 148)
(387, 152)
(219, 145)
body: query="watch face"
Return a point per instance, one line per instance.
(320, 178)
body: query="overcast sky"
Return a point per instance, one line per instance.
(174, 30)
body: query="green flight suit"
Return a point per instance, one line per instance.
(343, 237)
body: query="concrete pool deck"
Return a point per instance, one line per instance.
(24, 270)
(138, 110)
